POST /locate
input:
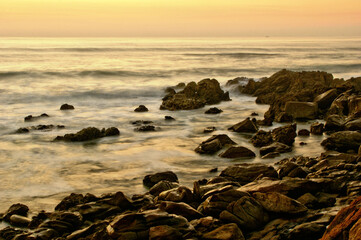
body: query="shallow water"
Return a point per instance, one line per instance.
(105, 79)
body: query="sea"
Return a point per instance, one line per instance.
(107, 78)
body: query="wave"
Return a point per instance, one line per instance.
(235, 55)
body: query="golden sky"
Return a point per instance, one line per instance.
(189, 18)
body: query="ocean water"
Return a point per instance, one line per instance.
(105, 79)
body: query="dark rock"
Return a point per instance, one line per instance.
(141, 108)
(245, 126)
(85, 134)
(276, 147)
(354, 125)
(262, 138)
(162, 186)
(213, 170)
(325, 99)
(145, 128)
(112, 131)
(343, 141)
(309, 201)
(180, 208)
(18, 209)
(303, 132)
(238, 80)
(213, 110)
(70, 201)
(291, 169)
(66, 107)
(90, 232)
(334, 123)
(180, 194)
(214, 144)
(271, 155)
(33, 118)
(209, 129)
(164, 232)
(195, 96)
(151, 180)
(303, 143)
(10, 233)
(141, 122)
(169, 118)
(119, 200)
(238, 152)
(254, 114)
(301, 110)
(206, 189)
(39, 128)
(205, 224)
(20, 221)
(317, 128)
(310, 230)
(226, 232)
(180, 85)
(285, 134)
(246, 172)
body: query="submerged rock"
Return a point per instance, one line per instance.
(151, 180)
(30, 118)
(146, 128)
(303, 132)
(39, 128)
(141, 108)
(213, 110)
(88, 134)
(238, 152)
(262, 138)
(245, 126)
(214, 144)
(169, 118)
(66, 107)
(209, 129)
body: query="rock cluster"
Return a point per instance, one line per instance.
(88, 134)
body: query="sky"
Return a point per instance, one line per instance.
(179, 18)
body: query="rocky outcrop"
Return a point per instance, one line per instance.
(245, 126)
(301, 110)
(66, 106)
(88, 134)
(238, 152)
(325, 99)
(195, 95)
(343, 141)
(31, 118)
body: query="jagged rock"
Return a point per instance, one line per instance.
(70, 201)
(354, 125)
(205, 224)
(209, 129)
(285, 134)
(162, 186)
(146, 128)
(214, 144)
(213, 110)
(334, 123)
(88, 134)
(262, 138)
(66, 107)
(226, 232)
(18, 209)
(276, 147)
(151, 180)
(291, 169)
(141, 108)
(30, 118)
(180, 194)
(245, 126)
(343, 141)
(169, 118)
(271, 155)
(204, 190)
(246, 172)
(238, 152)
(195, 95)
(301, 110)
(90, 232)
(180, 208)
(310, 230)
(303, 132)
(325, 99)
(317, 128)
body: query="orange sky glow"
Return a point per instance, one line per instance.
(173, 18)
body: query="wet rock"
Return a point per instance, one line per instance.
(325, 99)
(291, 169)
(146, 128)
(141, 122)
(204, 190)
(88, 134)
(276, 147)
(254, 114)
(238, 80)
(169, 118)
(10, 233)
(262, 138)
(271, 155)
(209, 129)
(180, 208)
(310, 230)
(354, 125)
(245, 126)
(226, 232)
(70, 201)
(317, 128)
(90, 232)
(30, 118)
(17, 209)
(205, 224)
(141, 108)
(301, 110)
(213, 170)
(66, 107)
(303, 143)
(119, 200)
(238, 152)
(343, 141)
(196, 95)
(213, 110)
(162, 186)
(39, 128)
(303, 132)
(309, 201)
(150, 180)
(279, 203)
(334, 123)
(112, 131)
(20, 221)
(180, 194)
(285, 134)
(214, 144)
(246, 172)
(164, 232)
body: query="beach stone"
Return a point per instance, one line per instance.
(309, 201)
(180, 208)
(145, 128)
(325, 99)
(254, 114)
(66, 106)
(226, 232)
(179, 194)
(247, 172)
(343, 141)
(164, 232)
(285, 134)
(317, 128)
(20, 221)
(169, 118)
(30, 118)
(214, 144)
(85, 134)
(204, 190)
(238, 152)
(94, 231)
(303, 132)
(195, 95)
(18, 209)
(141, 108)
(276, 147)
(334, 123)
(209, 129)
(245, 126)
(262, 138)
(213, 110)
(162, 186)
(205, 224)
(301, 110)
(152, 179)
(279, 203)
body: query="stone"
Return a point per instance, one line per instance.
(18, 209)
(141, 108)
(203, 190)
(180, 208)
(309, 201)
(112, 131)
(245, 126)
(246, 172)
(334, 123)
(150, 180)
(254, 114)
(238, 152)
(141, 122)
(30, 118)
(20, 221)
(88, 134)
(291, 169)
(276, 147)
(325, 99)
(145, 128)
(209, 129)
(303, 132)
(343, 141)
(169, 118)
(195, 95)
(301, 110)
(119, 200)
(70, 201)
(226, 232)
(164, 232)
(162, 186)
(309, 230)
(214, 144)
(262, 138)
(66, 106)
(317, 128)
(354, 125)
(279, 203)
(271, 155)
(180, 194)
(205, 224)
(285, 134)
(213, 110)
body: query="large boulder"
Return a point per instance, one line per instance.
(152, 179)
(16, 209)
(245, 126)
(325, 99)
(301, 110)
(353, 125)
(195, 95)
(262, 138)
(285, 134)
(88, 134)
(226, 232)
(238, 152)
(214, 144)
(276, 147)
(317, 128)
(334, 122)
(343, 141)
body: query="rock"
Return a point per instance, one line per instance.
(112, 131)
(254, 114)
(213, 110)
(359, 150)
(285, 134)
(291, 169)
(309, 201)
(205, 224)
(238, 80)
(334, 123)
(150, 180)
(354, 125)
(195, 95)
(276, 147)
(246, 172)
(209, 129)
(17, 209)
(203, 190)
(169, 118)
(180, 85)
(271, 155)
(226, 232)
(180, 208)
(180, 194)
(30, 118)
(245, 126)
(66, 107)
(279, 203)
(9, 233)
(162, 186)
(325, 99)
(146, 128)
(20, 221)
(164, 232)
(214, 144)
(317, 128)
(303, 143)
(343, 141)
(246, 213)
(303, 132)
(141, 122)
(39, 128)
(310, 230)
(141, 108)
(87, 134)
(119, 200)
(238, 152)
(213, 170)
(346, 223)
(91, 232)
(262, 138)
(70, 201)
(301, 110)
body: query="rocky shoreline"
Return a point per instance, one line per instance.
(297, 198)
